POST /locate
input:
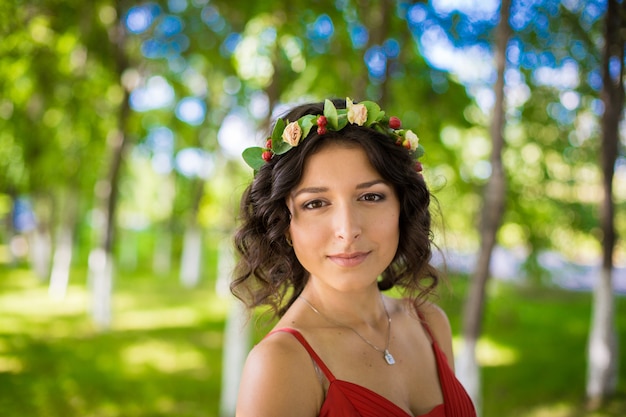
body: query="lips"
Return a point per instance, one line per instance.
(349, 259)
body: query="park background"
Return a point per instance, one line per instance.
(121, 128)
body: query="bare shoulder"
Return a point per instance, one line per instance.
(439, 325)
(279, 380)
(436, 318)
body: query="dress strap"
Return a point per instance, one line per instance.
(425, 325)
(318, 361)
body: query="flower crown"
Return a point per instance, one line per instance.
(287, 135)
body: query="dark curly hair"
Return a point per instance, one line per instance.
(268, 272)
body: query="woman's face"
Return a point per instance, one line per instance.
(344, 219)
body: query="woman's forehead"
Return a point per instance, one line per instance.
(338, 164)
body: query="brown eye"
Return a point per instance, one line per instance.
(372, 197)
(311, 205)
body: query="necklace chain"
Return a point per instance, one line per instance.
(386, 354)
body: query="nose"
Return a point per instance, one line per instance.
(348, 224)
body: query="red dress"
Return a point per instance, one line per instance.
(346, 399)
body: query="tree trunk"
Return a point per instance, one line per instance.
(237, 333)
(162, 256)
(40, 250)
(162, 252)
(493, 209)
(191, 257)
(63, 247)
(40, 237)
(602, 345)
(101, 268)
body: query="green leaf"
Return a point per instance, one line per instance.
(306, 123)
(253, 157)
(419, 152)
(374, 114)
(277, 133)
(342, 119)
(330, 111)
(382, 129)
(279, 146)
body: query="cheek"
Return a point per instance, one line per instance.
(388, 228)
(305, 232)
(308, 243)
(386, 222)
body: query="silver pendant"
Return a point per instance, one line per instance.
(389, 358)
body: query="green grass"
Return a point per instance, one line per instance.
(543, 334)
(162, 355)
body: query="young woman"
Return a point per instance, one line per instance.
(338, 212)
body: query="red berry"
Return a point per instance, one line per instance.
(394, 123)
(321, 121)
(321, 130)
(268, 144)
(266, 155)
(418, 166)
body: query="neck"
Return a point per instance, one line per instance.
(364, 308)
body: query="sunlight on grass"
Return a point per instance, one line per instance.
(156, 319)
(180, 316)
(32, 306)
(10, 363)
(162, 356)
(553, 410)
(19, 278)
(35, 301)
(490, 353)
(561, 410)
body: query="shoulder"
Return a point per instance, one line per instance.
(279, 380)
(437, 321)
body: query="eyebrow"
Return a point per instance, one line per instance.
(315, 190)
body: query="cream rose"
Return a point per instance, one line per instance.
(357, 114)
(412, 139)
(292, 134)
